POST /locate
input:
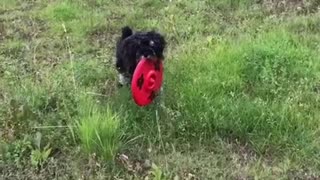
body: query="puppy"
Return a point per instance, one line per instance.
(131, 47)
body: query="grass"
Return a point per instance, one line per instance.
(252, 89)
(241, 90)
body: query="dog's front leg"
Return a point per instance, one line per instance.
(123, 79)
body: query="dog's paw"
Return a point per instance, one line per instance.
(119, 85)
(123, 80)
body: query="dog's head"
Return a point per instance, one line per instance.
(149, 44)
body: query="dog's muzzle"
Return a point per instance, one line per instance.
(147, 53)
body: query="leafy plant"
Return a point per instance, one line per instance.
(39, 155)
(157, 172)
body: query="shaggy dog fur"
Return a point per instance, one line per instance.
(131, 47)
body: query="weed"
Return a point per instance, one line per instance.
(156, 172)
(39, 155)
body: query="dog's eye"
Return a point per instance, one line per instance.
(151, 43)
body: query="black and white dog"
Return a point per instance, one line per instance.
(132, 46)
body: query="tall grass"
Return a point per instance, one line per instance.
(98, 130)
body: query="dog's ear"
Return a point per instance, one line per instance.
(162, 41)
(126, 32)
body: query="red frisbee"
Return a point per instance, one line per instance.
(146, 81)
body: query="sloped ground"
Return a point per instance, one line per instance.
(241, 91)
